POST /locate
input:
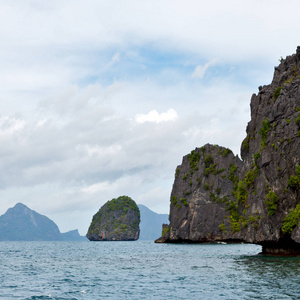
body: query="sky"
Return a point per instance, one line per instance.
(100, 99)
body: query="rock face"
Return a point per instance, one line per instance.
(217, 197)
(20, 223)
(117, 220)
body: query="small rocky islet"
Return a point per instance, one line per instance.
(218, 197)
(117, 220)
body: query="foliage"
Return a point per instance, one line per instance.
(241, 192)
(232, 173)
(174, 200)
(194, 159)
(235, 224)
(291, 220)
(276, 93)
(297, 120)
(256, 157)
(225, 152)
(263, 131)
(183, 201)
(120, 203)
(222, 227)
(113, 217)
(294, 181)
(210, 169)
(206, 187)
(250, 177)
(165, 230)
(271, 201)
(245, 143)
(208, 160)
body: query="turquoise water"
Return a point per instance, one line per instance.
(144, 270)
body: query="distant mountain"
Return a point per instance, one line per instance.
(72, 235)
(20, 223)
(151, 223)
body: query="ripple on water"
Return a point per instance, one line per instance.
(143, 270)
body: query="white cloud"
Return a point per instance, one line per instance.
(200, 71)
(77, 119)
(155, 117)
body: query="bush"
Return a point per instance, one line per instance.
(271, 201)
(294, 181)
(276, 93)
(194, 159)
(183, 201)
(291, 220)
(263, 131)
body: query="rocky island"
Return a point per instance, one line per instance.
(117, 220)
(218, 197)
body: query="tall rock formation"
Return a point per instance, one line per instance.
(217, 197)
(117, 220)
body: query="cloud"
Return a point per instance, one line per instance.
(200, 71)
(93, 110)
(154, 116)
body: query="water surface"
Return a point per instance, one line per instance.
(144, 270)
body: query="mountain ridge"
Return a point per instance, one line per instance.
(20, 223)
(151, 223)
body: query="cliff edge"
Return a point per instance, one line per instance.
(218, 197)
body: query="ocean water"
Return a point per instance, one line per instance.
(144, 270)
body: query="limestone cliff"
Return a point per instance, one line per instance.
(217, 197)
(117, 220)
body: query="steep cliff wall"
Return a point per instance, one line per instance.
(217, 197)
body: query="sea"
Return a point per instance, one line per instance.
(144, 270)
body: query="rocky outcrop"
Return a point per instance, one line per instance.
(117, 220)
(217, 197)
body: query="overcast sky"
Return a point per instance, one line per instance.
(103, 98)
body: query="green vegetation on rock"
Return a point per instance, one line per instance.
(294, 181)
(291, 220)
(118, 219)
(271, 201)
(194, 159)
(166, 230)
(263, 131)
(276, 93)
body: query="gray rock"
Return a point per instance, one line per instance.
(117, 220)
(261, 203)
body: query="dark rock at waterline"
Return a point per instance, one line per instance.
(217, 197)
(117, 220)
